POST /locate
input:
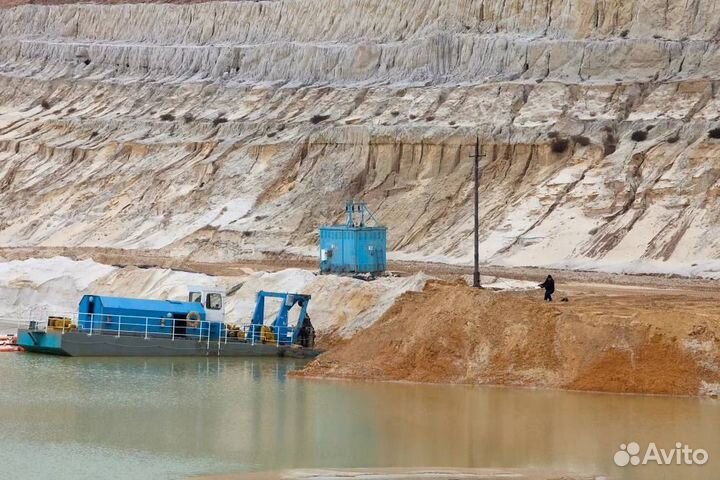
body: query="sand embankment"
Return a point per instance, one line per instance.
(652, 343)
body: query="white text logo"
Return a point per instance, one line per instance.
(629, 454)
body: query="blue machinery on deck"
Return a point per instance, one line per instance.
(102, 315)
(284, 334)
(113, 326)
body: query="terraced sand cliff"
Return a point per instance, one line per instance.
(230, 129)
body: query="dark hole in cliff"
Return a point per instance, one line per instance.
(188, 117)
(559, 145)
(639, 136)
(167, 117)
(609, 148)
(674, 139)
(45, 104)
(318, 118)
(87, 61)
(219, 120)
(581, 140)
(714, 133)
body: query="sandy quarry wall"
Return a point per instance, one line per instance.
(232, 129)
(450, 333)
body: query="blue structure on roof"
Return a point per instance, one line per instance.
(107, 315)
(354, 247)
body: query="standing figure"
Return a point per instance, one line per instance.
(306, 336)
(549, 286)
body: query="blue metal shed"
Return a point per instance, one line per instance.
(354, 247)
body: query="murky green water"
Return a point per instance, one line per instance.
(70, 418)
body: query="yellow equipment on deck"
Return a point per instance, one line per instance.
(234, 331)
(267, 335)
(61, 323)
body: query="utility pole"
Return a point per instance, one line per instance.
(476, 238)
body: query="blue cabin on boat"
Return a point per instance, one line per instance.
(118, 315)
(354, 247)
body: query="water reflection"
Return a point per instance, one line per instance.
(167, 418)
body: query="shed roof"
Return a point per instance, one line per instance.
(164, 306)
(354, 229)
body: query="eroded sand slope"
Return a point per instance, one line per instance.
(233, 129)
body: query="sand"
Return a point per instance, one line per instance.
(652, 343)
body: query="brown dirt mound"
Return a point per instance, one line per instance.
(643, 371)
(450, 333)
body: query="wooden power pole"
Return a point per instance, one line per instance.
(476, 238)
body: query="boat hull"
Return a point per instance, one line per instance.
(80, 344)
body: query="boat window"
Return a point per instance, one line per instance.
(214, 301)
(195, 297)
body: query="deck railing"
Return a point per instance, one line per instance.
(152, 327)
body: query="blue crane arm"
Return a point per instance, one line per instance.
(280, 324)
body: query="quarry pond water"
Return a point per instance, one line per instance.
(80, 418)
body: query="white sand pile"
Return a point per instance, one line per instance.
(56, 285)
(338, 303)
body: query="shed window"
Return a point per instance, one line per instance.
(195, 297)
(214, 301)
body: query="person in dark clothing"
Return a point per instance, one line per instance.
(306, 336)
(549, 286)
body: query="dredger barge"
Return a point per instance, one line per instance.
(115, 326)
